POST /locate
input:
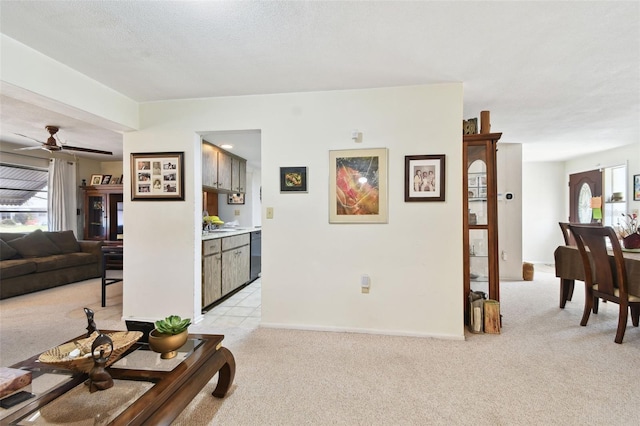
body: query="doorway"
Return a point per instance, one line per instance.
(582, 188)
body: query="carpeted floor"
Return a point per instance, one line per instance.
(543, 369)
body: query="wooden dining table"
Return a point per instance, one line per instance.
(569, 268)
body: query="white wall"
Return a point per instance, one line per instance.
(310, 268)
(509, 165)
(543, 186)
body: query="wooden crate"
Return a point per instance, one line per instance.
(492, 316)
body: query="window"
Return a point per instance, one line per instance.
(23, 198)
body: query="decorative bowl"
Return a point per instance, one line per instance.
(167, 344)
(60, 355)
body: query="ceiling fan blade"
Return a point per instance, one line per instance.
(95, 151)
(28, 137)
(28, 148)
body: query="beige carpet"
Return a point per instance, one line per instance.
(543, 369)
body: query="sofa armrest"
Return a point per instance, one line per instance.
(91, 246)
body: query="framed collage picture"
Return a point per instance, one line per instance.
(157, 176)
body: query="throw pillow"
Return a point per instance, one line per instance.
(35, 244)
(6, 251)
(65, 240)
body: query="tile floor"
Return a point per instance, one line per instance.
(243, 309)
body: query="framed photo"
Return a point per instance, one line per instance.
(106, 179)
(157, 176)
(358, 186)
(235, 199)
(96, 180)
(293, 179)
(424, 178)
(636, 187)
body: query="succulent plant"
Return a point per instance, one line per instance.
(172, 324)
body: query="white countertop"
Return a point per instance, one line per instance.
(230, 232)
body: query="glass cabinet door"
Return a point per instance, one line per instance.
(96, 217)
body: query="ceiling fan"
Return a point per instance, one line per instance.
(52, 144)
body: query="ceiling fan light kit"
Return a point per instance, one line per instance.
(52, 144)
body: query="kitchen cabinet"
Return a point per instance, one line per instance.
(211, 271)
(480, 230)
(103, 212)
(224, 171)
(242, 166)
(235, 262)
(209, 166)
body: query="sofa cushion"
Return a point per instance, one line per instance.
(65, 240)
(35, 244)
(16, 267)
(62, 261)
(6, 251)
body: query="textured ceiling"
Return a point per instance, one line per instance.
(563, 78)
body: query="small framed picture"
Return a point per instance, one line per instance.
(96, 180)
(235, 199)
(293, 179)
(636, 187)
(424, 177)
(106, 179)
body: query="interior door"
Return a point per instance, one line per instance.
(582, 187)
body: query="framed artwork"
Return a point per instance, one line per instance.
(96, 180)
(157, 176)
(424, 178)
(293, 179)
(106, 179)
(358, 186)
(235, 199)
(636, 187)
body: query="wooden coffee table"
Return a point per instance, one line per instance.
(164, 387)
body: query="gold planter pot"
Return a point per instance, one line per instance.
(167, 344)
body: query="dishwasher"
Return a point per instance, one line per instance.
(256, 263)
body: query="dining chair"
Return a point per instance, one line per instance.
(605, 275)
(566, 285)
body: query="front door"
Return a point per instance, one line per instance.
(582, 187)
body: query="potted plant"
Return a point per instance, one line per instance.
(169, 335)
(628, 231)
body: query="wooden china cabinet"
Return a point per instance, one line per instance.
(480, 201)
(103, 212)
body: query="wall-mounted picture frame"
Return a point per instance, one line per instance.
(293, 179)
(358, 187)
(636, 187)
(106, 180)
(235, 198)
(424, 178)
(157, 176)
(96, 180)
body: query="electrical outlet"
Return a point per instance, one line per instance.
(269, 212)
(236, 212)
(504, 255)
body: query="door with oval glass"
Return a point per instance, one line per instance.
(582, 187)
